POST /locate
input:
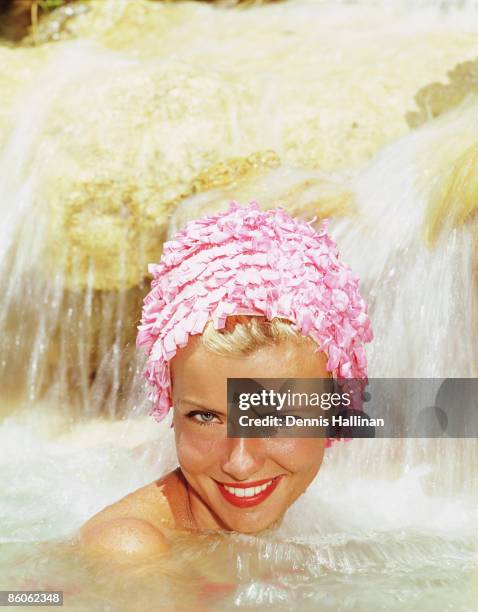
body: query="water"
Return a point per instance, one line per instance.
(387, 525)
(359, 539)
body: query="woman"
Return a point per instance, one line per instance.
(241, 294)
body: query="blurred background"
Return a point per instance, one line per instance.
(122, 119)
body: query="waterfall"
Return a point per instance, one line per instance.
(74, 430)
(60, 344)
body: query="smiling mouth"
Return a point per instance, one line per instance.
(247, 494)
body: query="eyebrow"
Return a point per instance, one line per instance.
(199, 405)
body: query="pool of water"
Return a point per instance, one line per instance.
(369, 534)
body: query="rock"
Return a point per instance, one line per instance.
(437, 98)
(308, 193)
(153, 95)
(15, 18)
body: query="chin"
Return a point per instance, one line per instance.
(251, 524)
(251, 529)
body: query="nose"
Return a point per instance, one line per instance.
(245, 457)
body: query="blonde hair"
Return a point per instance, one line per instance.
(244, 334)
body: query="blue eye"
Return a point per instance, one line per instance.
(207, 417)
(202, 417)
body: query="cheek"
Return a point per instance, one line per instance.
(196, 450)
(300, 456)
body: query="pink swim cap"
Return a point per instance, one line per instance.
(253, 262)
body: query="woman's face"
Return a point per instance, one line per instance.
(210, 461)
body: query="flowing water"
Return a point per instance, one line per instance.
(387, 525)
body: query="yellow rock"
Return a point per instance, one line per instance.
(307, 193)
(437, 98)
(153, 95)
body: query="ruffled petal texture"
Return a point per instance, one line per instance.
(249, 261)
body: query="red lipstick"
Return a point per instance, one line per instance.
(240, 494)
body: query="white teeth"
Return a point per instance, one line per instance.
(249, 491)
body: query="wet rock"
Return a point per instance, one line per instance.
(15, 18)
(437, 98)
(157, 103)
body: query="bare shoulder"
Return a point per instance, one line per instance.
(136, 525)
(127, 536)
